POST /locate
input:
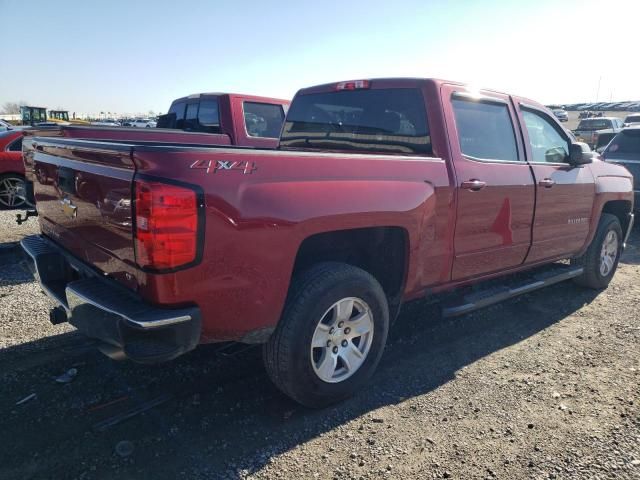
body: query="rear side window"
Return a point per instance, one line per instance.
(192, 112)
(16, 145)
(209, 116)
(374, 120)
(547, 144)
(190, 118)
(485, 130)
(178, 109)
(625, 143)
(263, 119)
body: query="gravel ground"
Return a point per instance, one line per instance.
(544, 386)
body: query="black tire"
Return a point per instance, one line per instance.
(592, 277)
(287, 355)
(19, 202)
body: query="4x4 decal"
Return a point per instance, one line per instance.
(225, 165)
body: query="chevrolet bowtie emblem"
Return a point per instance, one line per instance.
(69, 209)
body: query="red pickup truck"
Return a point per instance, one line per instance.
(204, 119)
(380, 191)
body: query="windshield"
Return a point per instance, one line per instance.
(632, 119)
(625, 144)
(594, 124)
(382, 120)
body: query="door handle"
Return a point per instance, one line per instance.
(474, 185)
(546, 182)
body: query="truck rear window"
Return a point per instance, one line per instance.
(263, 119)
(377, 120)
(589, 125)
(626, 142)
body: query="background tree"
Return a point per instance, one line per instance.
(12, 107)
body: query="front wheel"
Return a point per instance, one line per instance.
(331, 335)
(601, 258)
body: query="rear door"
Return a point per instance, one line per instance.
(564, 193)
(495, 188)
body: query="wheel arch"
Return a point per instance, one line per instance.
(621, 209)
(11, 172)
(381, 251)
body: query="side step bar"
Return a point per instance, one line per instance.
(490, 296)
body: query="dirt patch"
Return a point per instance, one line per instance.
(544, 386)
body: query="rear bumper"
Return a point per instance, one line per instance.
(124, 324)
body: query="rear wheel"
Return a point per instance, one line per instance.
(331, 335)
(12, 191)
(601, 258)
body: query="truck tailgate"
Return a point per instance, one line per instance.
(83, 196)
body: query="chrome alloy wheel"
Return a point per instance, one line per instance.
(11, 192)
(342, 340)
(608, 253)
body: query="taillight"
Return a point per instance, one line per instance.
(353, 85)
(166, 235)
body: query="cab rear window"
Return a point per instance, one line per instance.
(371, 120)
(263, 119)
(625, 143)
(594, 125)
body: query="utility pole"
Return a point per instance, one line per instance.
(598, 92)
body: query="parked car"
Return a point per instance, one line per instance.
(588, 128)
(4, 126)
(380, 191)
(107, 122)
(12, 183)
(561, 114)
(632, 119)
(143, 123)
(624, 149)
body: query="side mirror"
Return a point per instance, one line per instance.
(579, 155)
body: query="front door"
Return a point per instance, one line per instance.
(564, 193)
(495, 188)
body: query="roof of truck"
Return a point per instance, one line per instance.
(254, 98)
(415, 81)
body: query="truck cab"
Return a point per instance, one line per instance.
(248, 120)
